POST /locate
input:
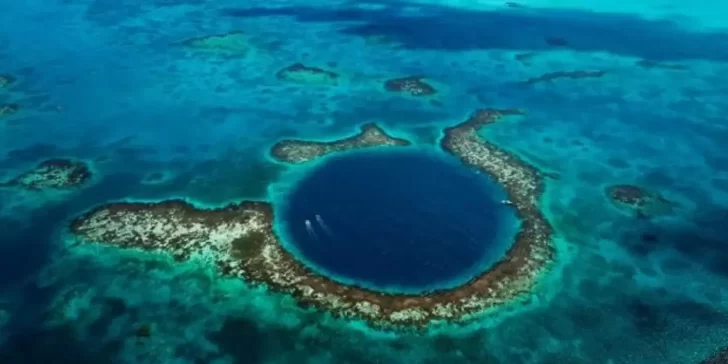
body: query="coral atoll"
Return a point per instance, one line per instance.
(53, 174)
(301, 151)
(413, 85)
(240, 239)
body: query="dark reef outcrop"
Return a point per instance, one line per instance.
(640, 201)
(55, 173)
(413, 85)
(300, 73)
(575, 75)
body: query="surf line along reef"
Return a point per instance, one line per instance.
(242, 241)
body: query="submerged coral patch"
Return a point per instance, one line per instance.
(156, 177)
(413, 85)
(229, 44)
(301, 151)
(556, 41)
(650, 64)
(378, 39)
(241, 241)
(575, 75)
(525, 58)
(53, 174)
(639, 200)
(300, 73)
(8, 109)
(6, 81)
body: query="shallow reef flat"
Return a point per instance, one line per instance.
(532, 251)
(179, 228)
(720, 357)
(302, 151)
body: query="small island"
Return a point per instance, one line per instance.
(301, 151)
(413, 85)
(300, 73)
(56, 173)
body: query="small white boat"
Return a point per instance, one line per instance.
(310, 230)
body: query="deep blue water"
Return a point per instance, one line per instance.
(399, 220)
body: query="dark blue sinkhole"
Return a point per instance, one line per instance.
(397, 221)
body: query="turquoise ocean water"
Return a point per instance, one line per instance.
(112, 83)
